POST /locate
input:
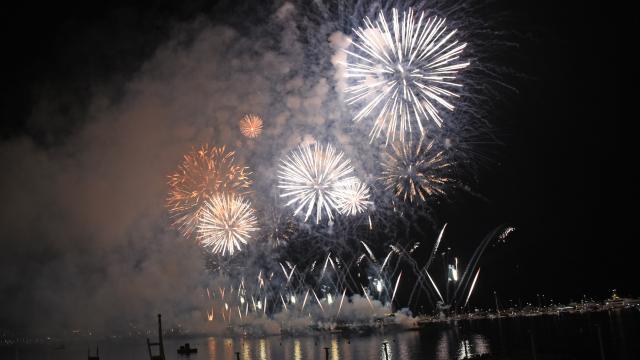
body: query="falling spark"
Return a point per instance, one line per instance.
(318, 300)
(395, 288)
(403, 73)
(414, 171)
(324, 268)
(434, 285)
(341, 300)
(373, 258)
(386, 259)
(251, 126)
(364, 291)
(310, 177)
(227, 222)
(473, 284)
(305, 300)
(204, 173)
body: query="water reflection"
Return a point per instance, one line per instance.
(463, 346)
(334, 348)
(211, 346)
(574, 335)
(385, 354)
(297, 350)
(263, 349)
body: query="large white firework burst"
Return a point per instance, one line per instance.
(415, 170)
(402, 73)
(353, 197)
(226, 222)
(310, 177)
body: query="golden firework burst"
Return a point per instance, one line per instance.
(414, 170)
(251, 126)
(226, 223)
(204, 173)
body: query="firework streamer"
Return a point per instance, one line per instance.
(473, 284)
(366, 295)
(428, 264)
(395, 288)
(341, 301)
(434, 286)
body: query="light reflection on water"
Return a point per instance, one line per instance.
(560, 335)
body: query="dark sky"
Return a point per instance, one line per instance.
(562, 177)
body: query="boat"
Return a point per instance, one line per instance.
(186, 349)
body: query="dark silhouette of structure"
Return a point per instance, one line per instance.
(97, 357)
(159, 344)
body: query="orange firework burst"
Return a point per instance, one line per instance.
(204, 172)
(251, 126)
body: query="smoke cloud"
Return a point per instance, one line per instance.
(86, 241)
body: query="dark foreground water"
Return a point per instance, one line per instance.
(555, 337)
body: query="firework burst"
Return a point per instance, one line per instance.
(204, 172)
(415, 171)
(251, 126)
(278, 227)
(353, 197)
(226, 222)
(403, 73)
(311, 175)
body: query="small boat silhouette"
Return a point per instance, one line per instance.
(186, 349)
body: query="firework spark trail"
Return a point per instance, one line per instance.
(414, 171)
(473, 284)
(318, 300)
(434, 286)
(386, 259)
(304, 302)
(227, 221)
(326, 262)
(310, 175)
(373, 258)
(341, 301)
(402, 74)
(428, 264)
(204, 173)
(251, 126)
(364, 291)
(395, 288)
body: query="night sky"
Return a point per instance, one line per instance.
(561, 171)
